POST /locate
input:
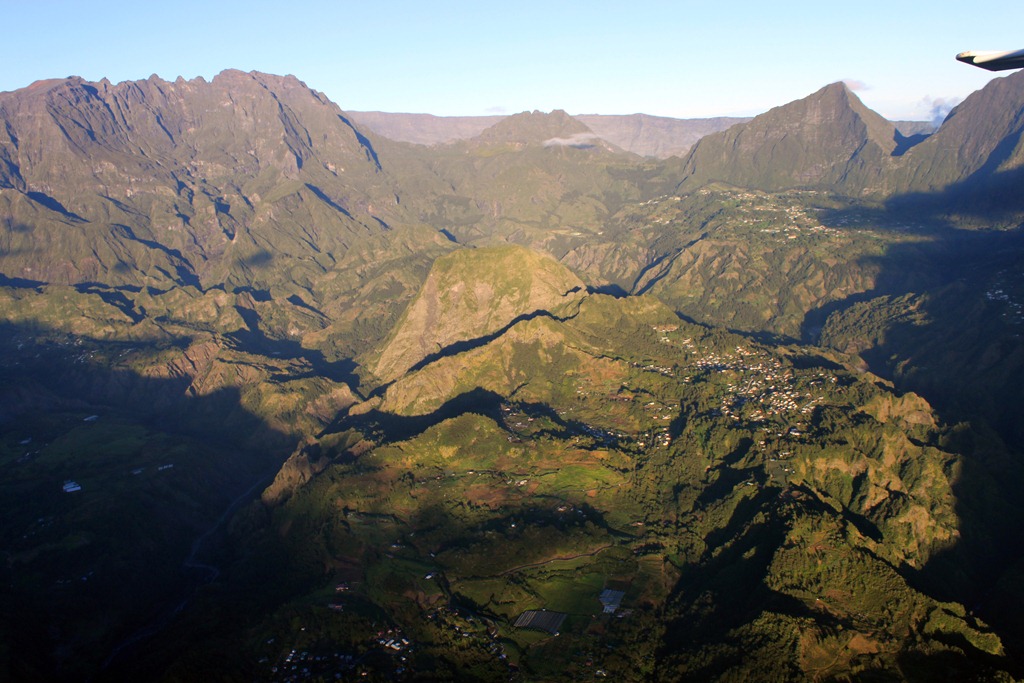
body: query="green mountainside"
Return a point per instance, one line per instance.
(473, 294)
(643, 134)
(284, 399)
(828, 139)
(831, 141)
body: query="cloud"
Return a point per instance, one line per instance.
(498, 109)
(581, 140)
(939, 107)
(855, 85)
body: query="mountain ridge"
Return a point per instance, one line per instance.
(643, 134)
(859, 153)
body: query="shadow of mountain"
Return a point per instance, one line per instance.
(322, 196)
(722, 616)
(21, 283)
(944, 320)
(258, 259)
(22, 228)
(478, 342)
(989, 194)
(112, 296)
(907, 142)
(364, 142)
(610, 289)
(254, 340)
(731, 579)
(390, 428)
(159, 471)
(183, 268)
(53, 205)
(936, 257)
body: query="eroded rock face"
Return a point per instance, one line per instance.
(184, 182)
(472, 294)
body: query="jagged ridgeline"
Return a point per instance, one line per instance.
(278, 391)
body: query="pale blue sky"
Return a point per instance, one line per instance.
(684, 59)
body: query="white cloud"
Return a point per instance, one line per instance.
(939, 107)
(575, 140)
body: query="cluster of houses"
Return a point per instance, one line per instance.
(1014, 310)
(764, 390)
(788, 221)
(304, 666)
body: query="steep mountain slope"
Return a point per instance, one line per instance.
(472, 295)
(826, 140)
(831, 141)
(975, 156)
(188, 182)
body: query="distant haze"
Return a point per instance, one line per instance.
(653, 136)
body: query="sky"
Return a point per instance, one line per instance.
(682, 59)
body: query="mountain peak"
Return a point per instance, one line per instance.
(823, 140)
(537, 128)
(273, 81)
(838, 88)
(471, 294)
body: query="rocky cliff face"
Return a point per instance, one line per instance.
(978, 144)
(188, 181)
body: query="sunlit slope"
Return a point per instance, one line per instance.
(687, 466)
(471, 294)
(541, 180)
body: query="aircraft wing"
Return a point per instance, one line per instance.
(993, 60)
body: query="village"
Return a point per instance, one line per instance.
(391, 653)
(1013, 310)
